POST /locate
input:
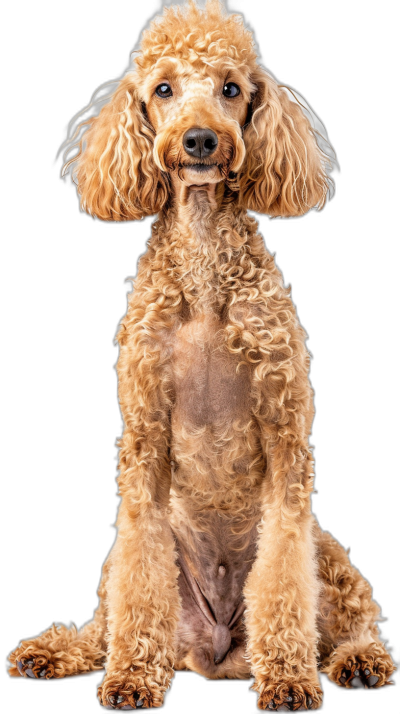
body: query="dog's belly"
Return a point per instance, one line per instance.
(217, 469)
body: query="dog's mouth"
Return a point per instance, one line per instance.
(199, 173)
(201, 168)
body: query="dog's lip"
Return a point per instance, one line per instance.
(199, 166)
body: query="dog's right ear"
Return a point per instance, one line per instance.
(115, 172)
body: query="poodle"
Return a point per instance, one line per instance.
(219, 565)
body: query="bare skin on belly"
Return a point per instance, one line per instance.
(217, 468)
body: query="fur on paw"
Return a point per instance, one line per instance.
(360, 674)
(118, 692)
(289, 697)
(370, 669)
(35, 666)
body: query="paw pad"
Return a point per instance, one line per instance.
(357, 677)
(291, 703)
(35, 668)
(117, 701)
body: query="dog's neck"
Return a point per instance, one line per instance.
(196, 211)
(199, 238)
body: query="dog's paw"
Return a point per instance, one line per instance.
(369, 668)
(290, 697)
(124, 692)
(355, 676)
(35, 666)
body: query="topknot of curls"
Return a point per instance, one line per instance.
(190, 33)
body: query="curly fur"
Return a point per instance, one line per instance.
(215, 531)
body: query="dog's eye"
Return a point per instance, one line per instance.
(164, 90)
(231, 90)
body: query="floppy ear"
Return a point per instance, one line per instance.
(284, 172)
(115, 172)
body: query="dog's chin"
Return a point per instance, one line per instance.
(200, 175)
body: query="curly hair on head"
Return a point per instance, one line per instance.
(120, 172)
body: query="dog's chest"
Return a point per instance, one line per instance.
(210, 387)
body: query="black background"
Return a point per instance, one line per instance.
(65, 293)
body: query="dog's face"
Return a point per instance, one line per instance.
(198, 114)
(200, 109)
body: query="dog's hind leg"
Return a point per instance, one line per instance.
(351, 652)
(62, 651)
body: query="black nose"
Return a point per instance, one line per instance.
(200, 142)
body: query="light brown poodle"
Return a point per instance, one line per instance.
(219, 565)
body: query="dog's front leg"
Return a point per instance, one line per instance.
(142, 590)
(281, 591)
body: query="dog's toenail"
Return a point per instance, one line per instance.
(372, 680)
(29, 662)
(289, 698)
(20, 666)
(29, 673)
(120, 699)
(272, 704)
(367, 672)
(343, 680)
(356, 672)
(42, 673)
(139, 703)
(309, 702)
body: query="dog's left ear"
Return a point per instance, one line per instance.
(284, 172)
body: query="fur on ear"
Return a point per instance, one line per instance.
(284, 172)
(116, 175)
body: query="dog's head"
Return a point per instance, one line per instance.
(198, 107)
